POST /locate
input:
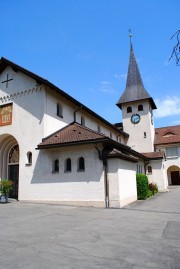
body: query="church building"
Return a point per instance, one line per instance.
(57, 150)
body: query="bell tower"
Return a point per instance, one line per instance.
(137, 109)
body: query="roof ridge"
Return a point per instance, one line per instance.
(58, 90)
(171, 126)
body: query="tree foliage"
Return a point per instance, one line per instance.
(176, 48)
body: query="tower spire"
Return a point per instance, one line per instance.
(134, 85)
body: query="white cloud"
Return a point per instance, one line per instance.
(169, 106)
(120, 76)
(176, 122)
(82, 56)
(106, 87)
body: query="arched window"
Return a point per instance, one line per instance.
(14, 154)
(81, 164)
(129, 109)
(149, 169)
(29, 157)
(56, 165)
(140, 107)
(59, 110)
(99, 128)
(82, 121)
(67, 165)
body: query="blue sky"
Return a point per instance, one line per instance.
(82, 46)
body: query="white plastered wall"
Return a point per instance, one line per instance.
(137, 140)
(158, 174)
(75, 188)
(122, 182)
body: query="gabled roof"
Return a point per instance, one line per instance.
(167, 135)
(134, 85)
(5, 62)
(75, 134)
(72, 134)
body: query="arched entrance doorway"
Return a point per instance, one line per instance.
(173, 175)
(9, 162)
(13, 170)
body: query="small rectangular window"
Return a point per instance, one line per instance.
(172, 152)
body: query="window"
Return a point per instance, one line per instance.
(56, 166)
(99, 129)
(129, 109)
(59, 110)
(144, 134)
(29, 157)
(110, 135)
(139, 169)
(149, 169)
(171, 152)
(81, 164)
(82, 121)
(67, 165)
(14, 154)
(140, 108)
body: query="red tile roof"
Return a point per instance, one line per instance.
(73, 133)
(114, 153)
(154, 155)
(167, 135)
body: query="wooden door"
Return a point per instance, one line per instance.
(175, 178)
(14, 177)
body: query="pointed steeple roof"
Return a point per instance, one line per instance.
(134, 85)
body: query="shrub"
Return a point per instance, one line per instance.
(142, 186)
(153, 187)
(150, 193)
(5, 186)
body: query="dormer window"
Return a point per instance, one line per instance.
(59, 110)
(129, 109)
(140, 108)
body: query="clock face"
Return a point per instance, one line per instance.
(135, 118)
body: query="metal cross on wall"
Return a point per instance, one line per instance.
(7, 80)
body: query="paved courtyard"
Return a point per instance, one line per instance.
(145, 234)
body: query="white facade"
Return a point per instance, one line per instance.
(172, 163)
(34, 116)
(142, 131)
(122, 186)
(37, 109)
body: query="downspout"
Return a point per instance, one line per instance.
(79, 108)
(145, 165)
(105, 169)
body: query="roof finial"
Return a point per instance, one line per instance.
(130, 33)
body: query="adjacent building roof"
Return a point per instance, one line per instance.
(134, 85)
(5, 62)
(167, 135)
(154, 155)
(114, 153)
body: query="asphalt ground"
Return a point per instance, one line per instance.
(145, 234)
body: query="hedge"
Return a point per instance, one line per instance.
(142, 186)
